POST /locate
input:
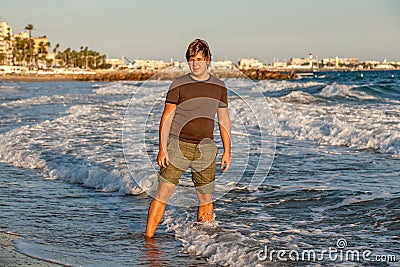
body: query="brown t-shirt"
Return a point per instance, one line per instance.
(197, 103)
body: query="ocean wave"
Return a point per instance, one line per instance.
(299, 116)
(322, 119)
(43, 100)
(85, 146)
(9, 87)
(117, 88)
(334, 91)
(300, 97)
(360, 127)
(79, 148)
(128, 88)
(219, 247)
(346, 91)
(273, 86)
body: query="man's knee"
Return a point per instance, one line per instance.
(164, 191)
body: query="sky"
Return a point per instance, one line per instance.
(267, 30)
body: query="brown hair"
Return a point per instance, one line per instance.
(197, 46)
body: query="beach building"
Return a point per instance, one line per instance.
(385, 65)
(370, 64)
(349, 61)
(5, 44)
(179, 65)
(340, 62)
(279, 64)
(40, 48)
(299, 61)
(223, 65)
(115, 63)
(249, 63)
(330, 62)
(21, 35)
(41, 51)
(145, 64)
(302, 62)
(41, 45)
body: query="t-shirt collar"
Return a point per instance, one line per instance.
(206, 80)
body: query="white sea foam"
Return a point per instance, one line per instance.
(42, 100)
(82, 147)
(219, 247)
(5, 87)
(299, 97)
(223, 243)
(303, 116)
(342, 90)
(117, 88)
(273, 86)
(357, 127)
(374, 126)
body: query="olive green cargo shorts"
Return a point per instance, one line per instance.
(201, 158)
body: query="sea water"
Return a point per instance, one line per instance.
(332, 181)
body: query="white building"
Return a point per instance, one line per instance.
(22, 35)
(340, 61)
(223, 65)
(301, 62)
(279, 64)
(12, 69)
(115, 62)
(250, 63)
(5, 43)
(385, 65)
(371, 62)
(179, 65)
(147, 64)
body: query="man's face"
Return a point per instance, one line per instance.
(198, 64)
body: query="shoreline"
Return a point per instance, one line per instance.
(10, 257)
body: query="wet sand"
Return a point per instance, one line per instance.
(10, 257)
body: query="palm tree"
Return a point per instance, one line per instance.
(9, 46)
(42, 51)
(55, 52)
(81, 57)
(67, 55)
(19, 50)
(86, 56)
(30, 28)
(2, 58)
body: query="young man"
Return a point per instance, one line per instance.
(186, 135)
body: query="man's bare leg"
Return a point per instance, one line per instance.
(157, 207)
(205, 211)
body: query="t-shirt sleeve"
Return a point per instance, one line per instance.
(173, 94)
(223, 102)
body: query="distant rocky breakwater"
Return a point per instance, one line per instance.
(140, 75)
(169, 75)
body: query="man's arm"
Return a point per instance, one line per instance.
(224, 123)
(165, 127)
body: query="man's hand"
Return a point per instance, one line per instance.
(162, 159)
(225, 162)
